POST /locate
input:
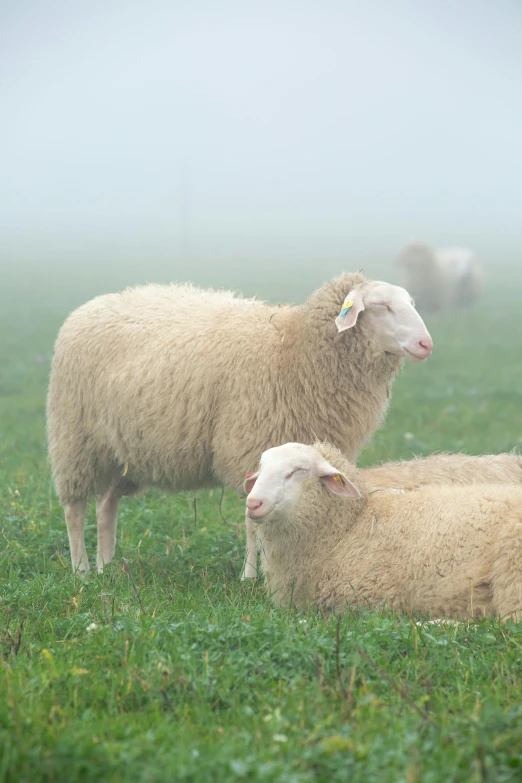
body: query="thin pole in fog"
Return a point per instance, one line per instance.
(185, 213)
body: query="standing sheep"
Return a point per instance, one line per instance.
(326, 539)
(440, 279)
(179, 388)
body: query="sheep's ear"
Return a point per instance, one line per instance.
(248, 483)
(353, 305)
(336, 482)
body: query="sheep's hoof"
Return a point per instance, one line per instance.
(249, 573)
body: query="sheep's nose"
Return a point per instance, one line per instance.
(253, 505)
(426, 345)
(257, 509)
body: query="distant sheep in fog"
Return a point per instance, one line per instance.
(440, 279)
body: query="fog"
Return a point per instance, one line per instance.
(214, 140)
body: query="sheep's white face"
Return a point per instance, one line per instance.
(394, 322)
(274, 491)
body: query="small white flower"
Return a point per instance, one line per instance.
(408, 436)
(93, 627)
(441, 621)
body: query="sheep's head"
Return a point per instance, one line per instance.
(392, 320)
(276, 489)
(416, 255)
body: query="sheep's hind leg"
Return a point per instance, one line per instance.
(74, 519)
(250, 569)
(107, 517)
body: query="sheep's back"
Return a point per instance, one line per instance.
(434, 541)
(446, 469)
(142, 373)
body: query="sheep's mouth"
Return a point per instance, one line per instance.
(259, 519)
(414, 357)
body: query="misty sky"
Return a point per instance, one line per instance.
(214, 127)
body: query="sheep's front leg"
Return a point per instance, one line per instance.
(107, 517)
(250, 569)
(74, 519)
(507, 578)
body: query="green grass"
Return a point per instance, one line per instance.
(170, 669)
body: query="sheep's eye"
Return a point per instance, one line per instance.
(296, 470)
(384, 304)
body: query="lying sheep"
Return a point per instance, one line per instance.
(443, 468)
(327, 539)
(178, 388)
(440, 279)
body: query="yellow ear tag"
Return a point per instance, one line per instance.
(347, 305)
(338, 479)
(125, 469)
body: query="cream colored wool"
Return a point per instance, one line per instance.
(440, 279)
(180, 388)
(446, 469)
(442, 468)
(450, 551)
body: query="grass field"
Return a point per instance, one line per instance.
(173, 670)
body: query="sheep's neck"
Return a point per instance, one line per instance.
(286, 560)
(294, 553)
(353, 395)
